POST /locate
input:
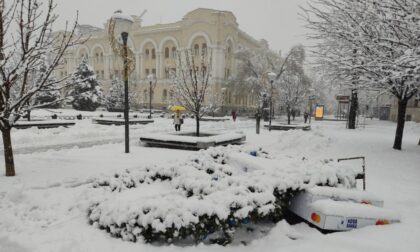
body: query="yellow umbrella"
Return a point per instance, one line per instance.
(177, 108)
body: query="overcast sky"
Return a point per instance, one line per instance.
(274, 20)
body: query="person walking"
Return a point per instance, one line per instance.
(177, 121)
(234, 116)
(305, 116)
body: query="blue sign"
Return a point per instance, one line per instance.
(351, 223)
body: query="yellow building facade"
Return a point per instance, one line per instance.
(154, 48)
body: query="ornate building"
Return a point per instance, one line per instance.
(154, 48)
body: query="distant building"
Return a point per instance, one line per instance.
(154, 48)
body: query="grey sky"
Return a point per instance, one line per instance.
(274, 20)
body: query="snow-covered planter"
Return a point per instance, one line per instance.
(188, 140)
(285, 126)
(207, 198)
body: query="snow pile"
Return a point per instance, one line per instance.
(217, 191)
(345, 208)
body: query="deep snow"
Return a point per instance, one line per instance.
(44, 207)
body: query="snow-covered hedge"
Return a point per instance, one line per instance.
(217, 191)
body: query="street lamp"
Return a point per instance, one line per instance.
(152, 82)
(223, 100)
(271, 77)
(121, 24)
(311, 99)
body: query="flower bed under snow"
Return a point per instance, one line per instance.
(215, 192)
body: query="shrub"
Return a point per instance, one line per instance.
(210, 196)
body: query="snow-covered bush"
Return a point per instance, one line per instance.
(211, 195)
(85, 93)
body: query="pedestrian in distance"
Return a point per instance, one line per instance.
(305, 116)
(234, 116)
(177, 120)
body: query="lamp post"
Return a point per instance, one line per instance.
(271, 77)
(152, 81)
(223, 100)
(121, 24)
(311, 99)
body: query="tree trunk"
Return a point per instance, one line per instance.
(402, 108)
(8, 153)
(289, 114)
(258, 120)
(353, 109)
(197, 125)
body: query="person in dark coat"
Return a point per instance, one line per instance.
(234, 116)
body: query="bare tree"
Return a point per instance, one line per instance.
(25, 38)
(191, 81)
(293, 84)
(253, 67)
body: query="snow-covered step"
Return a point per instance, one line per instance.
(337, 209)
(342, 194)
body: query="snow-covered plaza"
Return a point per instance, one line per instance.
(44, 207)
(209, 125)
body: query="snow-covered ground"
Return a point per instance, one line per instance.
(44, 207)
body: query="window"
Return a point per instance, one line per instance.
(204, 48)
(167, 53)
(174, 52)
(147, 72)
(228, 52)
(164, 95)
(154, 71)
(116, 73)
(102, 74)
(147, 54)
(227, 73)
(153, 54)
(196, 49)
(167, 73)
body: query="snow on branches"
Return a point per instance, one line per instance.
(114, 101)
(289, 85)
(370, 44)
(85, 93)
(191, 81)
(26, 39)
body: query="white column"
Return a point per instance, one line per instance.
(158, 64)
(138, 66)
(107, 67)
(218, 64)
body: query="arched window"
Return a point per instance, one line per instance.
(174, 52)
(196, 49)
(147, 53)
(164, 95)
(153, 54)
(204, 48)
(167, 53)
